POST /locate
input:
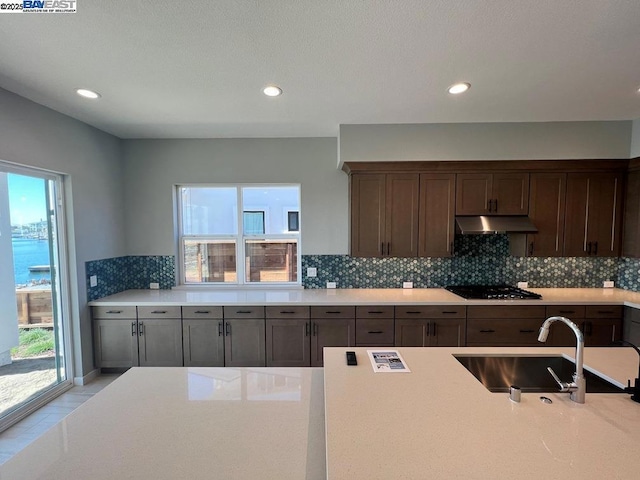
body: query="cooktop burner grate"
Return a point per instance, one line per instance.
(492, 292)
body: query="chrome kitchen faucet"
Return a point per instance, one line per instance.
(578, 387)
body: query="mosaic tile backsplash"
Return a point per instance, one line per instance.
(131, 272)
(479, 259)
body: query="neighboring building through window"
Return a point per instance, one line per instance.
(239, 234)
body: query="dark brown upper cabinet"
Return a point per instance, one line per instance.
(593, 214)
(547, 212)
(631, 236)
(437, 214)
(384, 215)
(492, 194)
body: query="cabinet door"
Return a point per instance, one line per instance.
(510, 194)
(203, 343)
(437, 215)
(412, 332)
(503, 331)
(244, 343)
(401, 228)
(368, 215)
(605, 215)
(602, 332)
(593, 217)
(632, 325)
(473, 192)
(116, 343)
(448, 332)
(160, 342)
(630, 243)
(288, 342)
(339, 332)
(547, 212)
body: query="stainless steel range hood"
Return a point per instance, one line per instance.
(482, 225)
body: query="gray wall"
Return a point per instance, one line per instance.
(36, 136)
(485, 141)
(153, 167)
(635, 139)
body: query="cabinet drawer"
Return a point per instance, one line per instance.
(159, 312)
(287, 312)
(509, 311)
(333, 312)
(113, 312)
(374, 331)
(603, 311)
(503, 331)
(243, 312)
(374, 312)
(201, 312)
(431, 311)
(569, 311)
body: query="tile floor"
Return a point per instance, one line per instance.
(27, 430)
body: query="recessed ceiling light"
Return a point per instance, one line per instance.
(457, 88)
(272, 91)
(83, 92)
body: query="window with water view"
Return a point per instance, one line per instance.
(239, 234)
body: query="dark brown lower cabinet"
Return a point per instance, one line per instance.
(504, 325)
(601, 325)
(430, 326)
(334, 332)
(244, 342)
(288, 342)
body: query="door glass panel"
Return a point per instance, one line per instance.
(210, 261)
(271, 260)
(32, 331)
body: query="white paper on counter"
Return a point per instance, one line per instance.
(387, 361)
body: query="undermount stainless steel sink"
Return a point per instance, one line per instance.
(529, 372)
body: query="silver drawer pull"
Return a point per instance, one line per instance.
(159, 311)
(114, 311)
(244, 311)
(202, 311)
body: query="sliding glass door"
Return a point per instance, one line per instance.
(34, 337)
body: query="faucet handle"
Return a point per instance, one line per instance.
(564, 386)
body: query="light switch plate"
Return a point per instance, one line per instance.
(608, 284)
(407, 284)
(523, 284)
(93, 280)
(154, 286)
(331, 284)
(312, 272)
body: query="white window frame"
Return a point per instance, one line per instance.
(240, 238)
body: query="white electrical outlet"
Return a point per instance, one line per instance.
(608, 284)
(93, 280)
(523, 284)
(331, 284)
(312, 272)
(407, 284)
(154, 286)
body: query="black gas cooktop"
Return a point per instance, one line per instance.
(492, 292)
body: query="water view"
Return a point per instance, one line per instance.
(30, 252)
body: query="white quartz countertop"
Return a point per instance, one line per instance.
(440, 422)
(356, 296)
(191, 423)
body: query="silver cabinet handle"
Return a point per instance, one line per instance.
(199, 311)
(159, 311)
(219, 329)
(114, 311)
(133, 329)
(140, 329)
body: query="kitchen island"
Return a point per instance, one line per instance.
(436, 422)
(440, 422)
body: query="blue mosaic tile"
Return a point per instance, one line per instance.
(478, 259)
(629, 274)
(130, 272)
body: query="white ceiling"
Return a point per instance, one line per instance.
(196, 68)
